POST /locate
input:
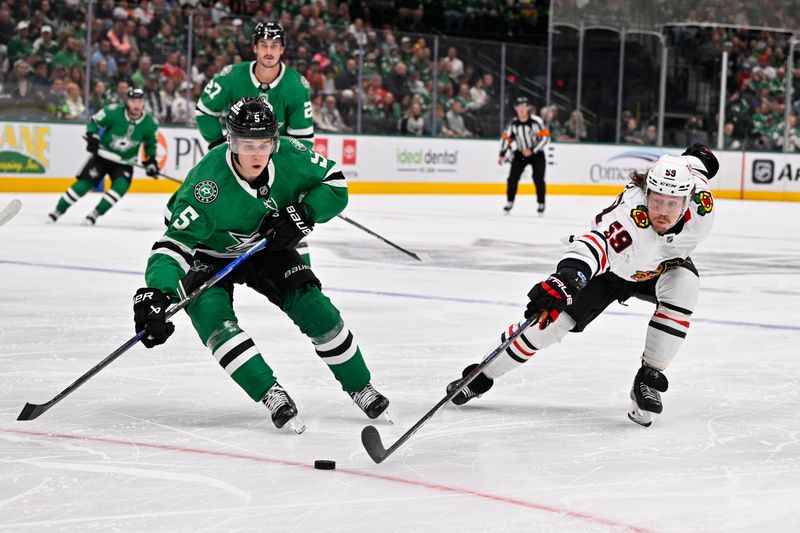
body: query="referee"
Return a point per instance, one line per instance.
(529, 135)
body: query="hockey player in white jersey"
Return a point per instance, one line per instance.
(637, 247)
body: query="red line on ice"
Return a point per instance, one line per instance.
(359, 473)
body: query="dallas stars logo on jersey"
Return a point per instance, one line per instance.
(206, 191)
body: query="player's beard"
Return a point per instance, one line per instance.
(137, 115)
(664, 223)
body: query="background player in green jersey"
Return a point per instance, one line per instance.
(259, 184)
(267, 77)
(119, 130)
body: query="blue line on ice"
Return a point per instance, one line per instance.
(782, 327)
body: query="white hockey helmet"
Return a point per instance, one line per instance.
(670, 175)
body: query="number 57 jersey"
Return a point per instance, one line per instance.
(623, 241)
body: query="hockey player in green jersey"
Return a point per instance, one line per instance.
(119, 131)
(267, 77)
(259, 184)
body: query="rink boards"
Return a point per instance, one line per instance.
(44, 157)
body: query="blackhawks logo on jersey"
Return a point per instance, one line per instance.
(640, 217)
(704, 201)
(669, 264)
(206, 191)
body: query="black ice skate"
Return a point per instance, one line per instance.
(475, 389)
(53, 217)
(282, 408)
(540, 208)
(645, 397)
(507, 207)
(372, 402)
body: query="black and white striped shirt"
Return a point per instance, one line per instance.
(531, 134)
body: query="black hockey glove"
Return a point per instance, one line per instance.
(149, 312)
(216, 143)
(286, 227)
(198, 274)
(151, 167)
(704, 154)
(551, 296)
(92, 143)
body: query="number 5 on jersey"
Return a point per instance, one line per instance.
(319, 160)
(185, 218)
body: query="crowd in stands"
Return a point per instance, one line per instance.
(144, 44)
(755, 110)
(404, 89)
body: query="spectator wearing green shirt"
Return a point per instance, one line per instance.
(20, 46)
(45, 47)
(68, 56)
(142, 72)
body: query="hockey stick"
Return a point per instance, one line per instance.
(10, 211)
(31, 410)
(387, 241)
(111, 156)
(371, 438)
(114, 158)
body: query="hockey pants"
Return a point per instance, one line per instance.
(674, 292)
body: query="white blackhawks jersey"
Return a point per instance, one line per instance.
(622, 240)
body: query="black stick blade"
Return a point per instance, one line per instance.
(371, 440)
(31, 411)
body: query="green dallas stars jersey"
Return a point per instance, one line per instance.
(289, 95)
(120, 135)
(216, 213)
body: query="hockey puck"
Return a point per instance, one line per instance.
(323, 464)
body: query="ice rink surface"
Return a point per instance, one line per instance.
(163, 440)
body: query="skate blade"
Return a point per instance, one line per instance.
(296, 424)
(643, 418)
(386, 417)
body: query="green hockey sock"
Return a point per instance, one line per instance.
(319, 319)
(236, 352)
(73, 194)
(118, 189)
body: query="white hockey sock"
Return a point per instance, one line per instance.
(526, 345)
